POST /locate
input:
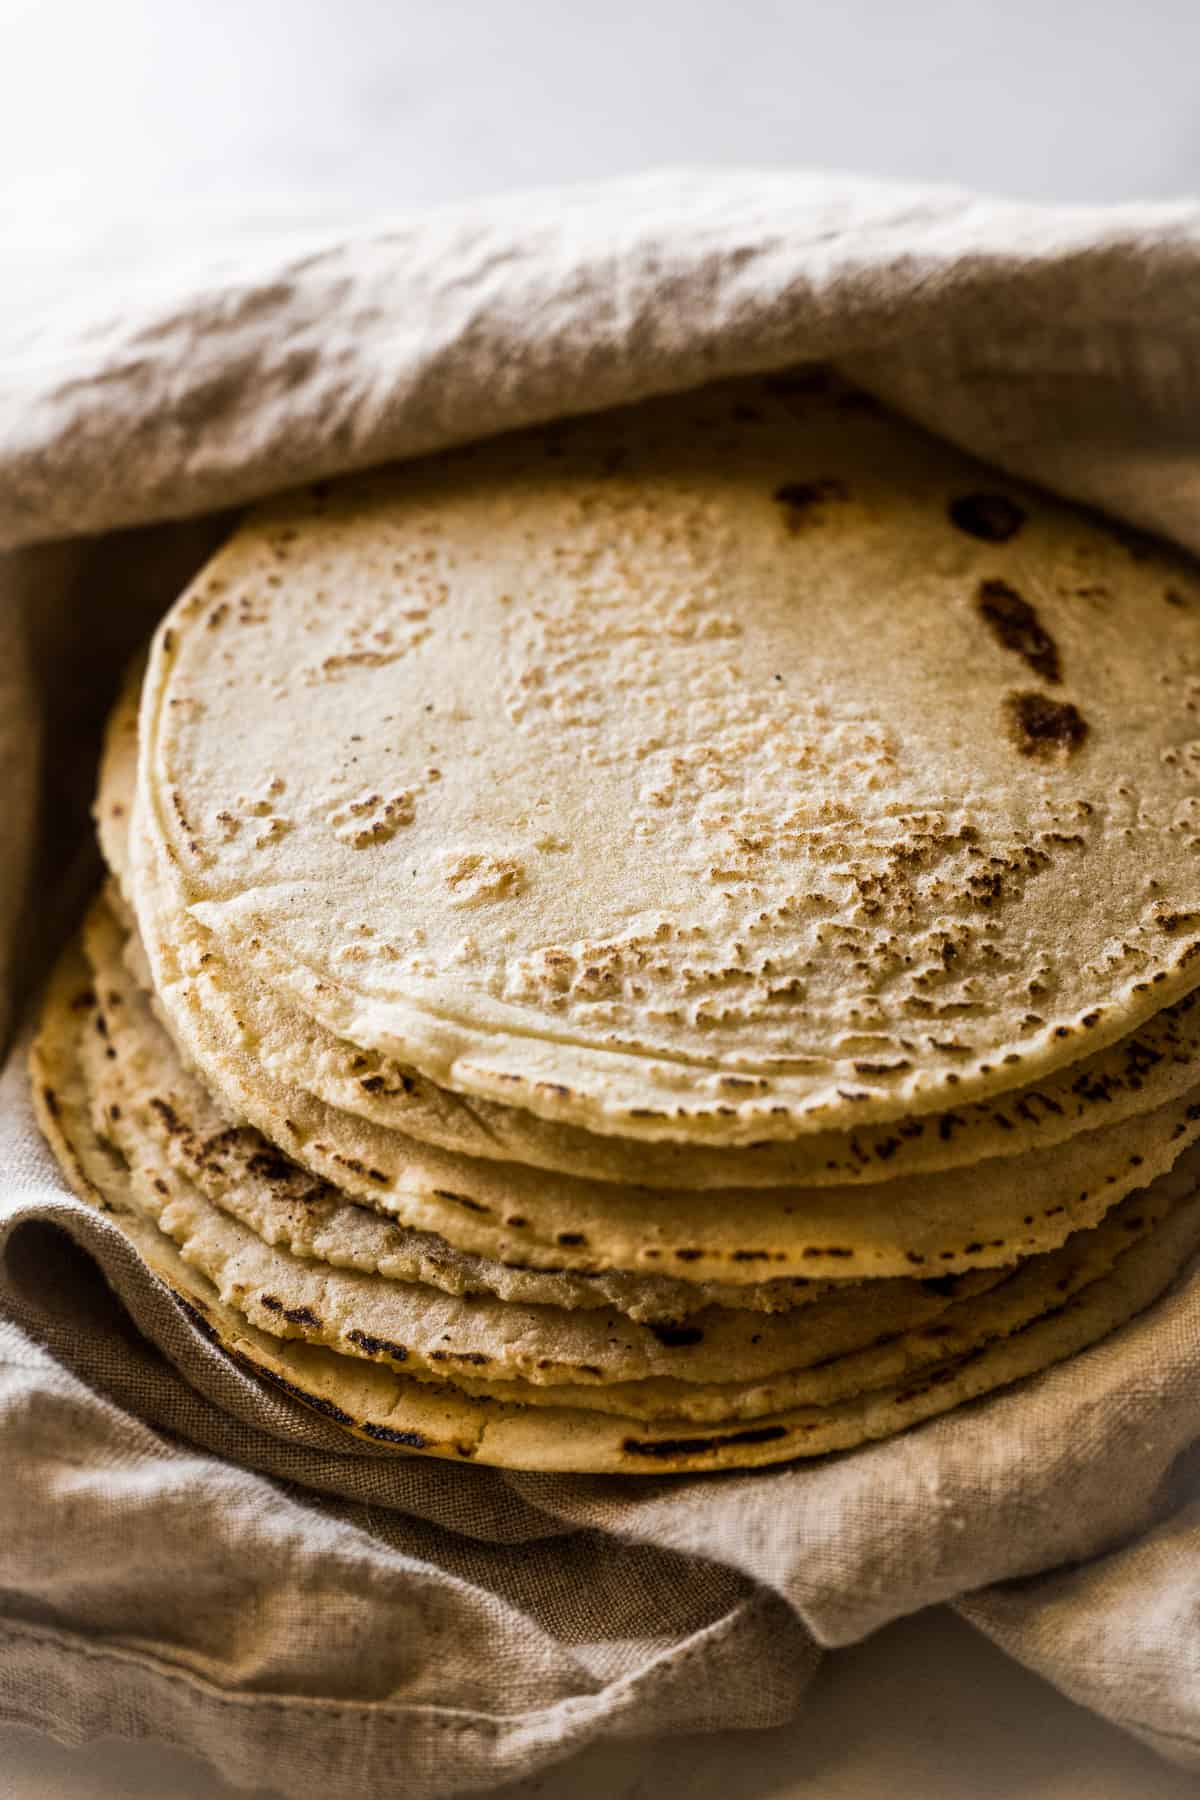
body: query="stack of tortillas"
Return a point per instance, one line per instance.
(664, 942)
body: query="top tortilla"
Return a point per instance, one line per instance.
(720, 770)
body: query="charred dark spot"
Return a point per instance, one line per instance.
(378, 1346)
(882, 1068)
(197, 1318)
(686, 1255)
(802, 498)
(828, 1250)
(83, 1000)
(993, 517)
(301, 1315)
(1016, 626)
(384, 1434)
(1172, 921)
(50, 1098)
(271, 1303)
(677, 1337)
(166, 1112)
(318, 1404)
(570, 1237)
(462, 1200)
(942, 1285)
(271, 1165)
(699, 1446)
(1044, 728)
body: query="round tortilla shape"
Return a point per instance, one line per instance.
(423, 1327)
(1137, 1073)
(391, 1411)
(284, 1205)
(947, 1222)
(728, 767)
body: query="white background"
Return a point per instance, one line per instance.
(131, 120)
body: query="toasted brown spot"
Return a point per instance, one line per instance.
(1016, 626)
(462, 1200)
(196, 1315)
(1172, 921)
(411, 1440)
(1044, 728)
(698, 1446)
(317, 1403)
(271, 1164)
(677, 1337)
(803, 498)
(377, 1346)
(993, 517)
(943, 1285)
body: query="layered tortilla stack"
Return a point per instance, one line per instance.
(666, 942)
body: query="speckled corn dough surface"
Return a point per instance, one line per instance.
(721, 1366)
(722, 768)
(237, 1207)
(987, 1215)
(375, 1402)
(262, 1028)
(284, 1202)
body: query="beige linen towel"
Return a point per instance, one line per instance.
(187, 1555)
